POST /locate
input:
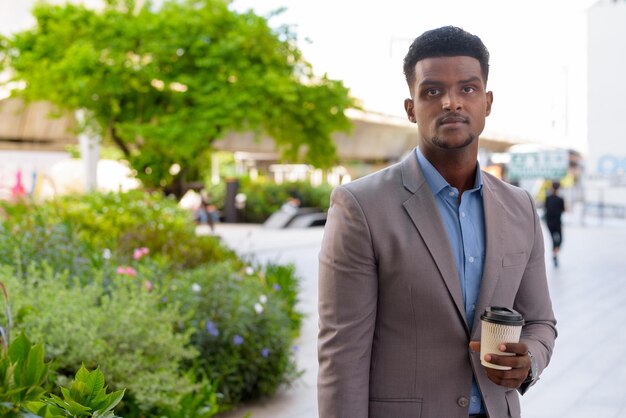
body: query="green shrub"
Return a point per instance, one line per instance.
(129, 332)
(71, 233)
(241, 327)
(264, 197)
(27, 239)
(282, 281)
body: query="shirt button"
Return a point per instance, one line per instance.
(471, 259)
(462, 214)
(473, 307)
(474, 399)
(451, 193)
(463, 402)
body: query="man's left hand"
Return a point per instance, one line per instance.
(519, 363)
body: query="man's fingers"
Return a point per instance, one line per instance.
(517, 348)
(514, 362)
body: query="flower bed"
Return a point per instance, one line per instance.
(122, 281)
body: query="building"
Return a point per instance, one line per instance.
(606, 162)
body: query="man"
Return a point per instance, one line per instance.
(555, 206)
(413, 254)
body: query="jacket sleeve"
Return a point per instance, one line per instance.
(533, 302)
(347, 309)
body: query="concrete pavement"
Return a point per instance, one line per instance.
(587, 375)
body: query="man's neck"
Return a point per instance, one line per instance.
(458, 170)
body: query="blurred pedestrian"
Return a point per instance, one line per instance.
(554, 207)
(292, 204)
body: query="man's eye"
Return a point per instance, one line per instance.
(469, 89)
(432, 92)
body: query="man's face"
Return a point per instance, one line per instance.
(449, 102)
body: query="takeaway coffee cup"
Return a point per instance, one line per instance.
(499, 325)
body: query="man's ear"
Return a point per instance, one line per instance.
(410, 110)
(489, 102)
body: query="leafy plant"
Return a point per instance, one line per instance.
(24, 373)
(22, 376)
(87, 397)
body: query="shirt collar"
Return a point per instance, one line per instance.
(436, 181)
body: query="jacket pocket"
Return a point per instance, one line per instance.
(514, 259)
(395, 408)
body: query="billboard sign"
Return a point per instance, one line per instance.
(546, 164)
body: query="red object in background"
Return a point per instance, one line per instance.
(18, 190)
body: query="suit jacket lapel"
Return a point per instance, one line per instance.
(492, 268)
(422, 209)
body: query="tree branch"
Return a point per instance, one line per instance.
(118, 141)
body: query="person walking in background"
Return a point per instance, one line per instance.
(412, 255)
(554, 207)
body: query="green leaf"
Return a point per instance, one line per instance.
(112, 400)
(36, 368)
(34, 393)
(78, 392)
(70, 405)
(95, 383)
(19, 349)
(82, 374)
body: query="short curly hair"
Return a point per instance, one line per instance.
(447, 41)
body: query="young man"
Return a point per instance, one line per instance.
(414, 253)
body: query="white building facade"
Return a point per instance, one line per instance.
(606, 114)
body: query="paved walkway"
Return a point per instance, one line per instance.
(587, 377)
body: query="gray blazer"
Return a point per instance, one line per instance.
(393, 338)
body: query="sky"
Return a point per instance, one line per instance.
(537, 47)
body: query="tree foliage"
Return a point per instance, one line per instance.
(164, 83)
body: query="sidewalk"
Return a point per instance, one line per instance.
(587, 375)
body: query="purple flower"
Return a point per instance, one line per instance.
(295, 348)
(265, 352)
(237, 339)
(212, 329)
(276, 287)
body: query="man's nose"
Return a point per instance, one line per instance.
(452, 102)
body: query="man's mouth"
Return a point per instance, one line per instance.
(449, 120)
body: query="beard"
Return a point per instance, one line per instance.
(446, 145)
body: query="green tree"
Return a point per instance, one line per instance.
(163, 83)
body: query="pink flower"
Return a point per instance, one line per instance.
(148, 285)
(138, 253)
(126, 271)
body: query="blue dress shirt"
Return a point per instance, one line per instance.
(465, 225)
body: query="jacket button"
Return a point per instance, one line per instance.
(463, 402)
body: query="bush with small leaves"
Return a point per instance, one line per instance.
(242, 328)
